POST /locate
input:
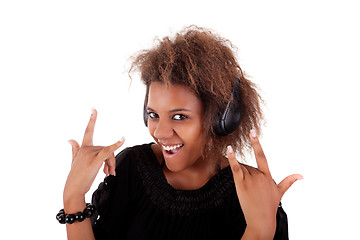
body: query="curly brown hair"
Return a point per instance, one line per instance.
(204, 62)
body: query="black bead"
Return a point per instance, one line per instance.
(87, 212)
(58, 215)
(61, 217)
(90, 207)
(79, 217)
(70, 218)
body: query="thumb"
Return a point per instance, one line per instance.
(75, 148)
(285, 184)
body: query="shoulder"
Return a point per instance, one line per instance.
(130, 155)
(126, 179)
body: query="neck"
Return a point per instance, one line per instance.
(194, 177)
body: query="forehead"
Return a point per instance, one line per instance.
(172, 96)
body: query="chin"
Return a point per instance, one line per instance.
(174, 166)
(178, 165)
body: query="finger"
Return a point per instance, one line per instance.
(108, 151)
(236, 167)
(249, 169)
(111, 164)
(285, 184)
(89, 131)
(74, 147)
(106, 168)
(259, 153)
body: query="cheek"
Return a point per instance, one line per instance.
(151, 129)
(193, 134)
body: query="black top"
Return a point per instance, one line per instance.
(140, 204)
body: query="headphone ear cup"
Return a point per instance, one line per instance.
(145, 116)
(229, 120)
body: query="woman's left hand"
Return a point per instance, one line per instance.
(258, 194)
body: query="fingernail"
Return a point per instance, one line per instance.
(253, 133)
(300, 178)
(122, 139)
(92, 111)
(230, 149)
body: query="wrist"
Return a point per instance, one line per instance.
(73, 202)
(265, 230)
(70, 218)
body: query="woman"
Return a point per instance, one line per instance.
(188, 184)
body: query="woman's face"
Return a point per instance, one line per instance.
(175, 123)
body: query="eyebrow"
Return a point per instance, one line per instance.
(173, 110)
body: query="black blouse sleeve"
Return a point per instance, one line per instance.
(112, 198)
(281, 232)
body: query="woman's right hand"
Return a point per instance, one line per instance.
(87, 159)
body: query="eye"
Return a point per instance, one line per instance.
(153, 115)
(179, 117)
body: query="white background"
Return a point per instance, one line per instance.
(58, 59)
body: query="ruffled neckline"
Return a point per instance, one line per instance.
(177, 201)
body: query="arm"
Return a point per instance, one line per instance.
(255, 234)
(77, 230)
(87, 160)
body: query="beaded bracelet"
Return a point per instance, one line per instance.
(63, 218)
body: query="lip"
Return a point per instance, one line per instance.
(171, 146)
(168, 155)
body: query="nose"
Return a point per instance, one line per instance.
(163, 129)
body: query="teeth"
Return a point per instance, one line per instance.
(168, 148)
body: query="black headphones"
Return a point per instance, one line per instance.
(227, 121)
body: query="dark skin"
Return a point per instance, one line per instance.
(87, 159)
(175, 118)
(258, 195)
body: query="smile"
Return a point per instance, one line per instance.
(173, 148)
